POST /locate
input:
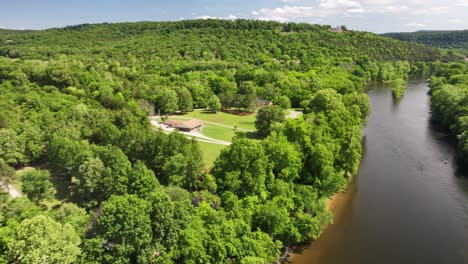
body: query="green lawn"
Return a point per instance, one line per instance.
(210, 152)
(245, 122)
(218, 132)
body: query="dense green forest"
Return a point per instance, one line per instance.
(108, 188)
(449, 89)
(455, 39)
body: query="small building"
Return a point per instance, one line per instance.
(337, 29)
(172, 123)
(185, 126)
(262, 103)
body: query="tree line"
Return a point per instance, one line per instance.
(449, 90)
(455, 39)
(108, 188)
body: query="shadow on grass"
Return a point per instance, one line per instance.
(208, 112)
(249, 135)
(178, 114)
(61, 184)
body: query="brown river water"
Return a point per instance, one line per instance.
(409, 201)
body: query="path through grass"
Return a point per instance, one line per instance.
(244, 122)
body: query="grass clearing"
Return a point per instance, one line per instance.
(210, 152)
(220, 128)
(244, 122)
(218, 132)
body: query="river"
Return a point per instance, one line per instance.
(409, 202)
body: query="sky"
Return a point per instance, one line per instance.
(377, 16)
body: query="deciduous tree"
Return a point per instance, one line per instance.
(43, 240)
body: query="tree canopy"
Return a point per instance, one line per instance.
(75, 103)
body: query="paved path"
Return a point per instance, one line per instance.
(12, 191)
(194, 134)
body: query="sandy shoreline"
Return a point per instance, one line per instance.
(337, 205)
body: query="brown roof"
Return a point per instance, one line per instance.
(190, 124)
(261, 102)
(173, 123)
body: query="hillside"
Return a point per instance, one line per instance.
(108, 187)
(456, 39)
(241, 40)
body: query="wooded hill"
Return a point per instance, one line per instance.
(450, 39)
(109, 188)
(239, 41)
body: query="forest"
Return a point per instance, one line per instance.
(449, 90)
(104, 186)
(455, 39)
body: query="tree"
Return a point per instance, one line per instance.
(43, 240)
(246, 96)
(167, 101)
(273, 218)
(19, 209)
(214, 104)
(36, 185)
(88, 183)
(326, 101)
(266, 118)
(398, 88)
(70, 213)
(7, 175)
(362, 101)
(11, 149)
(242, 168)
(126, 227)
(185, 102)
(66, 155)
(116, 170)
(282, 101)
(142, 181)
(284, 157)
(33, 140)
(184, 168)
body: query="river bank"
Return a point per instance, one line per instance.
(408, 203)
(338, 205)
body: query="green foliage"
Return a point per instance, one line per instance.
(11, 148)
(70, 213)
(360, 100)
(75, 100)
(456, 39)
(142, 180)
(282, 101)
(214, 104)
(267, 117)
(36, 185)
(449, 89)
(18, 210)
(7, 175)
(185, 102)
(41, 239)
(398, 88)
(125, 226)
(243, 169)
(167, 102)
(285, 158)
